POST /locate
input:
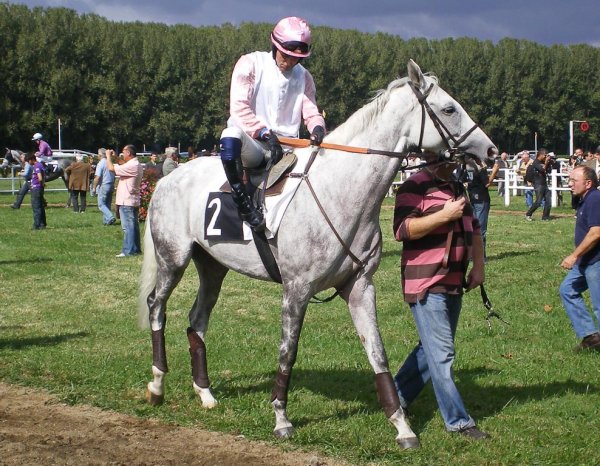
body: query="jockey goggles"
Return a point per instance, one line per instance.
(296, 48)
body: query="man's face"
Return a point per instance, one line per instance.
(579, 152)
(285, 62)
(578, 184)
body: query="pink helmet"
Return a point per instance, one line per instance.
(291, 36)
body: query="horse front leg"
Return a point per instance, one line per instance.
(292, 318)
(359, 294)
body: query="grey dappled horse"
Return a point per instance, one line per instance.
(351, 188)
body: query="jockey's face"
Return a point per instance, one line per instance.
(285, 62)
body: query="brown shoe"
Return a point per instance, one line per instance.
(591, 342)
(474, 433)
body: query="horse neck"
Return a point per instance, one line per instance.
(371, 127)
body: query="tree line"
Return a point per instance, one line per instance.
(113, 83)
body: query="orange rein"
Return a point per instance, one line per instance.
(293, 142)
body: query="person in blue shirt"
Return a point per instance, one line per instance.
(103, 186)
(583, 263)
(25, 187)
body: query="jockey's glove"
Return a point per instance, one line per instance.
(274, 146)
(316, 138)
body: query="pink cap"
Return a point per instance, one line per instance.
(291, 36)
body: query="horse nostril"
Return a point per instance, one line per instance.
(492, 152)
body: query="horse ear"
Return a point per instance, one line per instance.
(416, 75)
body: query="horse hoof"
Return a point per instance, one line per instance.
(153, 399)
(408, 443)
(285, 432)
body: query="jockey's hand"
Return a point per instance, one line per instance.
(274, 147)
(316, 138)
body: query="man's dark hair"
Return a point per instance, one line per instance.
(589, 174)
(29, 156)
(542, 151)
(131, 148)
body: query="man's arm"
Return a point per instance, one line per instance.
(590, 240)
(418, 227)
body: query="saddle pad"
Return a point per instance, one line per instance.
(222, 222)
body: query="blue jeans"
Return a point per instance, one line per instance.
(529, 197)
(481, 211)
(105, 194)
(436, 317)
(131, 229)
(575, 283)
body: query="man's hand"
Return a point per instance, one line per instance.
(475, 278)
(316, 138)
(453, 209)
(568, 262)
(274, 147)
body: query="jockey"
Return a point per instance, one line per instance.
(44, 153)
(270, 95)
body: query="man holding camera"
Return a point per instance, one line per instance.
(541, 165)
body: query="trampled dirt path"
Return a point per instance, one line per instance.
(35, 428)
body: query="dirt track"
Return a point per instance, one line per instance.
(35, 428)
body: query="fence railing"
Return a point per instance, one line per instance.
(513, 184)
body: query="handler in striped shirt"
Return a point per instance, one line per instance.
(435, 223)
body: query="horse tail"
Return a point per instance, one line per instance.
(147, 277)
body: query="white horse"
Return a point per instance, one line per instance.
(351, 188)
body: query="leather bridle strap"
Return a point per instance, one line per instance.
(361, 264)
(437, 123)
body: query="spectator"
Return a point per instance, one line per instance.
(257, 118)
(540, 185)
(79, 175)
(38, 180)
(26, 173)
(104, 185)
(128, 198)
(439, 235)
(524, 163)
(583, 263)
(191, 153)
(498, 172)
(477, 187)
(171, 160)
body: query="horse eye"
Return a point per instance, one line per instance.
(449, 110)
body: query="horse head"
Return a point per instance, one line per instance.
(445, 126)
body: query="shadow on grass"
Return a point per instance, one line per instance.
(358, 387)
(27, 261)
(504, 255)
(19, 343)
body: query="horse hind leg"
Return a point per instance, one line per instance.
(359, 294)
(167, 279)
(211, 275)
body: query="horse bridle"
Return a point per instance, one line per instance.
(452, 149)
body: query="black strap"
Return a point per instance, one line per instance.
(266, 255)
(488, 305)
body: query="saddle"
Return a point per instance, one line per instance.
(268, 180)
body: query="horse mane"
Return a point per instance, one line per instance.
(364, 116)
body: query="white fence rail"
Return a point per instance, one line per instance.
(16, 181)
(513, 184)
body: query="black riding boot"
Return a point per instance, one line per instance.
(246, 209)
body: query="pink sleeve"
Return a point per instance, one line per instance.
(127, 169)
(242, 88)
(310, 111)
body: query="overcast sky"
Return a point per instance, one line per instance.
(543, 21)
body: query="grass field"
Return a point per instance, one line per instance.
(68, 324)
